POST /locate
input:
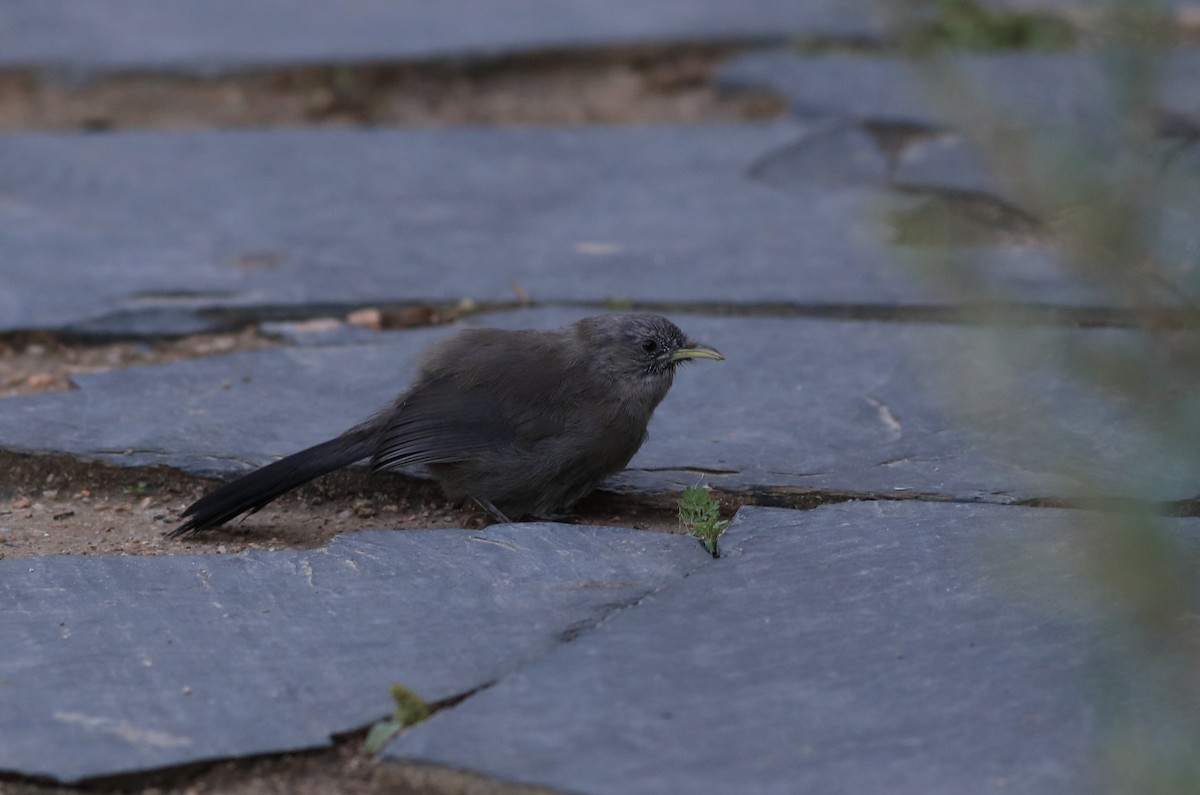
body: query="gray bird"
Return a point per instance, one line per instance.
(525, 423)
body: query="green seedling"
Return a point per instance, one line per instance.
(139, 489)
(410, 710)
(700, 514)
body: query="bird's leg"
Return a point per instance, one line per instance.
(491, 510)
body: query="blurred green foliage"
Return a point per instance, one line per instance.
(1116, 202)
(969, 26)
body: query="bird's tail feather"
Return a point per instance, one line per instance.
(250, 492)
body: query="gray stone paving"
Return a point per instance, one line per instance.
(862, 647)
(119, 664)
(101, 239)
(143, 232)
(1038, 89)
(207, 36)
(859, 103)
(917, 646)
(213, 36)
(799, 405)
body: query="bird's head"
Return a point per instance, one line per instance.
(641, 349)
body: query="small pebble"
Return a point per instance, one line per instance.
(368, 318)
(40, 380)
(317, 325)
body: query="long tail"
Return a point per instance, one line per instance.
(250, 492)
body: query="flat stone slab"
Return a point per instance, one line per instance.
(885, 121)
(115, 665)
(206, 37)
(800, 405)
(868, 648)
(144, 233)
(203, 36)
(1038, 89)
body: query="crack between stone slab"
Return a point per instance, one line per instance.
(653, 511)
(178, 776)
(996, 313)
(791, 497)
(675, 81)
(694, 470)
(801, 499)
(415, 776)
(1182, 508)
(182, 775)
(978, 314)
(609, 501)
(438, 778)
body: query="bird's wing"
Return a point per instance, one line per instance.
(440, 422)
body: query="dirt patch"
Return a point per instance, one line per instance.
(619, 86)
(51, 505)
(38, 362)
(58, 505)
(344, 769)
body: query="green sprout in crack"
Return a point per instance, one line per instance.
(139, 489)
(700, 514)
(410, 710)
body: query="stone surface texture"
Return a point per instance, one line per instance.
(207, 36)
(921, 632)
(863, 647)
(146, 233)
(123, 664)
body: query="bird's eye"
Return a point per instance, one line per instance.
(650, 346)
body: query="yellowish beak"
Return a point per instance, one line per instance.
(697, 352)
